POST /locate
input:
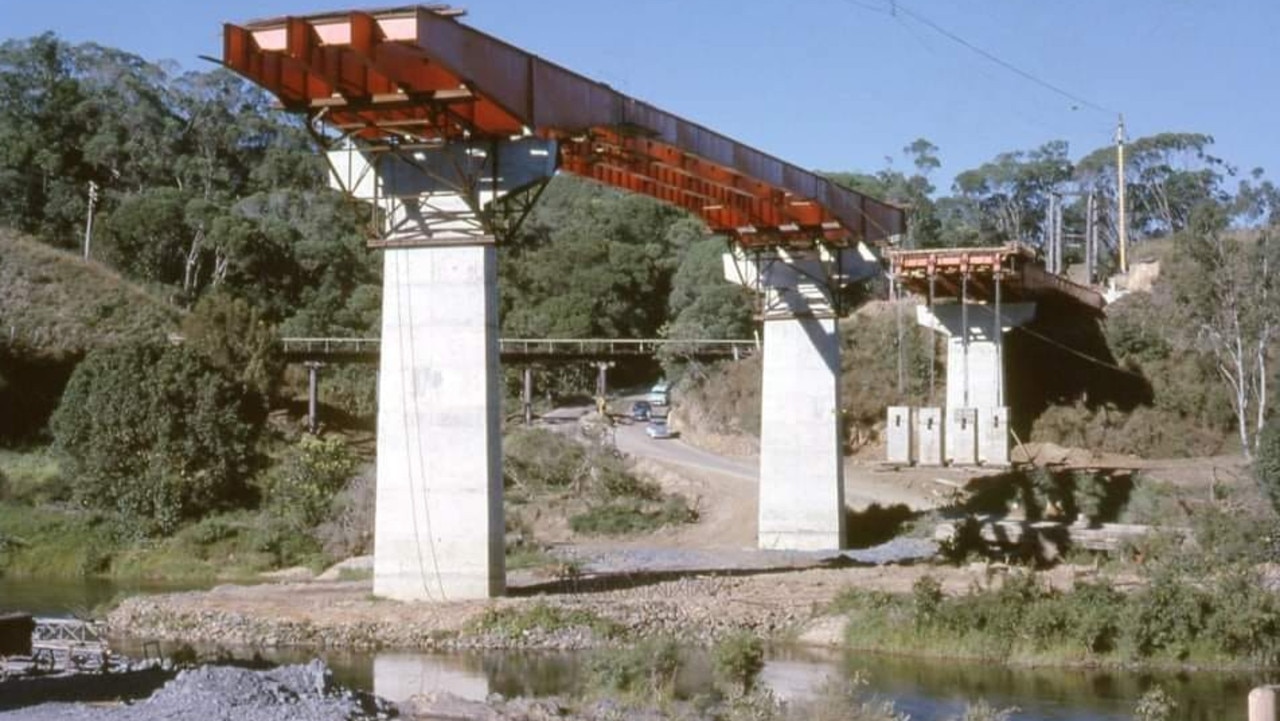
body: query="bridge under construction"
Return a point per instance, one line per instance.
(973, 297)
(451, 135)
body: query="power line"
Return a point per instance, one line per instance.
(896, 6)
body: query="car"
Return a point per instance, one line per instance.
(641, 410)
(658, 429)
(659, 394)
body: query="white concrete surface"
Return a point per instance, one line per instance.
(898, 428)
(993, 436)
(439, 525)
(975, 377)
(929, 433)
(961, 439)
(801, 473)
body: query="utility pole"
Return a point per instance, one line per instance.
(88, 222)
(1123, 229)
(1090, 238)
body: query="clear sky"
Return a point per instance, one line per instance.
(841, 84)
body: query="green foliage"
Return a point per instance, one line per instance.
(1266, 466)
(53, 544)
(236, 338)
(541, 464)
(157, 452)
(739, 659)
(645, 672)
(1155, 705)
(1225, 617)
(301, 488)
(514, 621)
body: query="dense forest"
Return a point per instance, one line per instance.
(212, 220)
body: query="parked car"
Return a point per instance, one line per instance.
(658, 429)
(641, 410)
(659, 394)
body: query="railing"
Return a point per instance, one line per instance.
(538, 347)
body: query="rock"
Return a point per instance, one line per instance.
(824, 631)
(295, 573)
(358, 564)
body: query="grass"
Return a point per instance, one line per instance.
(1222, 621)
(59, 543)
(52, 543)
(515, 622)
(56, 305)
(31, 476)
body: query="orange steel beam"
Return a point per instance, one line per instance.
(418, 72)
(1022, 276)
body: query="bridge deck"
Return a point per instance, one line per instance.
(1022, 276)
(416, 74)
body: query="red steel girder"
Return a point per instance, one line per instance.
(369, 69)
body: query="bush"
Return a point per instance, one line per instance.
(301, 489)
(157, 451)
(1167, 616)
(1266, 464)
(739, 659)
(644, 672)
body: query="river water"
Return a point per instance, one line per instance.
(927, 690)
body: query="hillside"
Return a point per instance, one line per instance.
(54, 306)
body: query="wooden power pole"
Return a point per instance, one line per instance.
(1123, 229)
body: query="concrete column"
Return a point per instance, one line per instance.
(526, 396)
(1264, 704)
(801, 473)
(439, 524)
(313, 396)
(980, 381)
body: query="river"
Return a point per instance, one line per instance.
(927, 690)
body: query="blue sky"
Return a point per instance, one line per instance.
(841, 84)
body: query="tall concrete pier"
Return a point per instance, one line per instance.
(439, 528)
(439, 525)
(801, 458)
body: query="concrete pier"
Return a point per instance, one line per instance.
(976, 413)
(439, 528)
(801, 469)
(801, 460)
(975, 362)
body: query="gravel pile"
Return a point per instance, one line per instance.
(226, 693)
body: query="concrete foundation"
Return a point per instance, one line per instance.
(900, 436)
(961, 439)
(801, 469)
(929, 436)
(993, 436)
(439, 525)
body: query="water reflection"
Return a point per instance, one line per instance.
(926, 690)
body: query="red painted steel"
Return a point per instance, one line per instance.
(417, 73)
(1022, 276)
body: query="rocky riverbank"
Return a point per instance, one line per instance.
(571, 614)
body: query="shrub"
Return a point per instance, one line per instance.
(1266, 464)
(157, 452)
(644, 672)
(302, 487)
(739, 659)
(1166, 616)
